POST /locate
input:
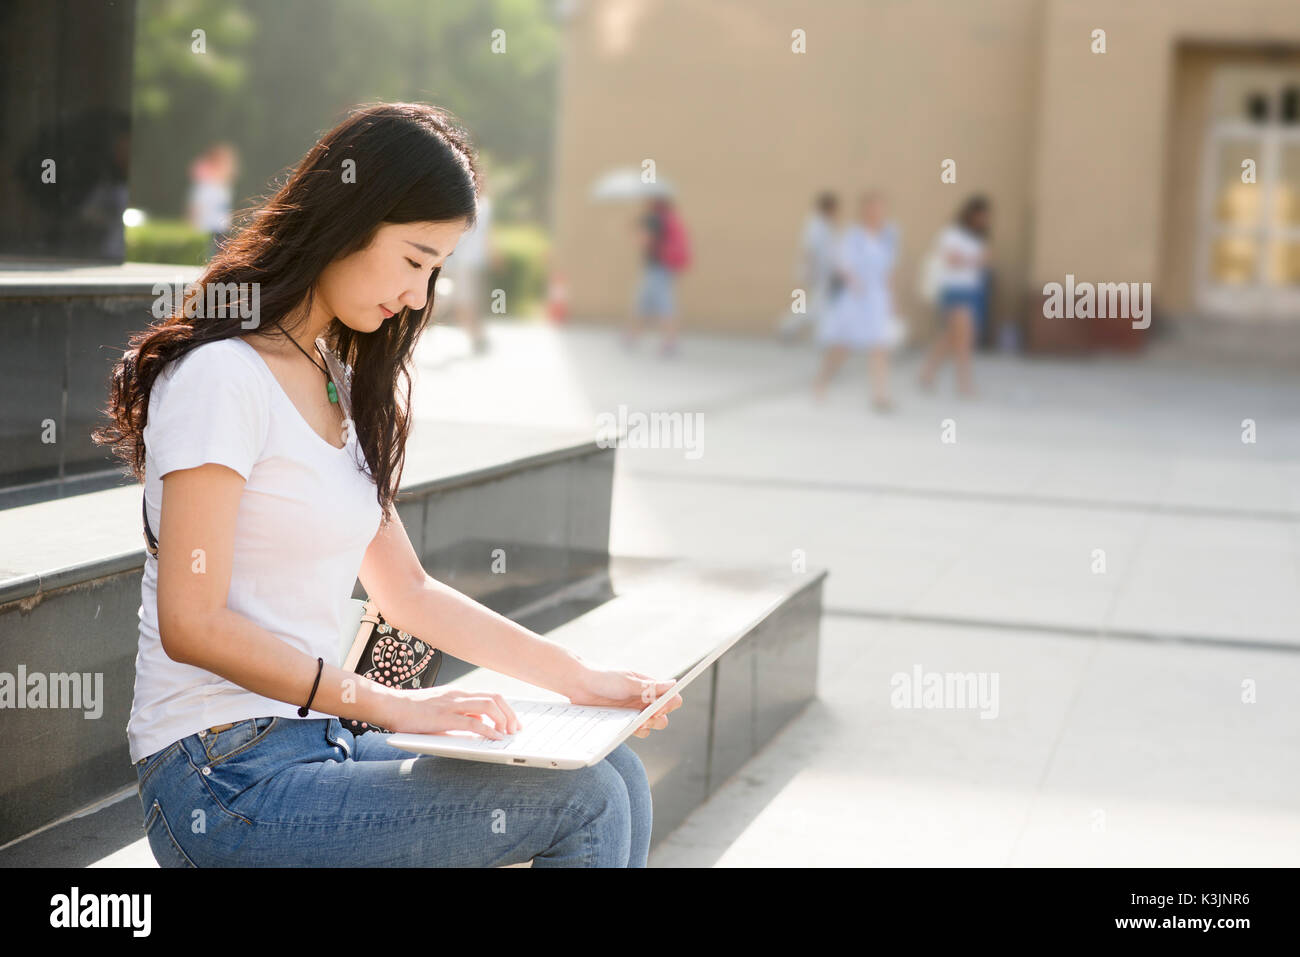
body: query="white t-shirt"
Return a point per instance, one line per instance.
(306, 515)
(967, 245)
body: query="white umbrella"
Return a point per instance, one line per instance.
(625, 184)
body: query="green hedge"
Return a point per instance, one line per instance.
(166, 241)
(523, 249)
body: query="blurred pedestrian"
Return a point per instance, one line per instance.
(814, 270)
(962, 249)
(212, 192)
(467, 269)
(861, 315)
(666, 253)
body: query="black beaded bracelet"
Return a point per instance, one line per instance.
(320, 666)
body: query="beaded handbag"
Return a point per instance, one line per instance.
(382, 653)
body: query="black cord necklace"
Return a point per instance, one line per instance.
(330, 389)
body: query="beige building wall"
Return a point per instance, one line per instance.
(750, 131)
(1118, 154)
(1086, 157)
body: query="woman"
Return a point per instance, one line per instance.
(963, 251)
(268, 505)
(861, 314)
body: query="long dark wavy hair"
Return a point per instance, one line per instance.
(966, 216)
(413, 163)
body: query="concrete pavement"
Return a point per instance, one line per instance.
(1098, 537)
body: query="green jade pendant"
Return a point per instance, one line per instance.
(332, 392)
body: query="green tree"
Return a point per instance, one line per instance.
(275, 75)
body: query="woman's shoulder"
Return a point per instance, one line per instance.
(208, 405)
(215, 368)
(226, 356)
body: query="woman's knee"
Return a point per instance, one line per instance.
(629, 766)
(602, 791)
(596, 801)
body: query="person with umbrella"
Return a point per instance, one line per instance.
(665, 252)
(663, 243)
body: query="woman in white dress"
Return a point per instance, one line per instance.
(860, 315)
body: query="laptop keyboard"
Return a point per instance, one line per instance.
(555, 728)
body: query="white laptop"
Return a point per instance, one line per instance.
(552, 734)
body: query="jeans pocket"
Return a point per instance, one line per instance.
(234, 761)
(161, 840)
(235, 739)
(146, 766)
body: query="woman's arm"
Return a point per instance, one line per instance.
(414, 602)
(195, 550)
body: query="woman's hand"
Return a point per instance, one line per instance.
(436, 710)
(613, 687)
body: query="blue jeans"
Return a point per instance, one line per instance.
(972, 297)
(306, 792)
(655, 294)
